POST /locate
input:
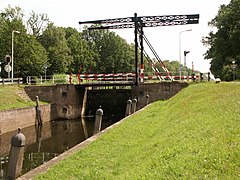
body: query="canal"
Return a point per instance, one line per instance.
(49, 140)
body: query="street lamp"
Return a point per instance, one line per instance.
(234, 67)
(45, 67)
(180, 53)
(13, 49)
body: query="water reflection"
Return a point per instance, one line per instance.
(44, 142)
(85, 131)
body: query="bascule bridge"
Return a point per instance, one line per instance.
(71, 101)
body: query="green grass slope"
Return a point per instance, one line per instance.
(194, 135)
(9, 98)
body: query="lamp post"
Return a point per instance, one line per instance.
(13, 48)
(192, 67)
(234, 67)
(180, 53)
(45, 67)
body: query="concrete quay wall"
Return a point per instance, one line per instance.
(11, 120)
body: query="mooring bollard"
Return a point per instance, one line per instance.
(38, 112)
(1, 171)
(129, 107)
(147, 97)
(98, 121)
(16, 155)
(134, 105)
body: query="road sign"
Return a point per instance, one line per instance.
(8, 58)
(8, 68)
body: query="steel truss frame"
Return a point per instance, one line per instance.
(138, 23)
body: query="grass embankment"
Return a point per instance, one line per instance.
(194, 135)
(9, 99)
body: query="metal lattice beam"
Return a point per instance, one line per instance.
(109, 21)
(146, 21)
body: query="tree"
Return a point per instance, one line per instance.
(32, 57)
(37, 23)
(83, 56)
(224, 44)
(115, 54)
(29, 54)
(59, 54)
(10, 19)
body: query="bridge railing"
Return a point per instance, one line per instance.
(80, 78)
(103, 78)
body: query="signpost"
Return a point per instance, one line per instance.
(8, 68)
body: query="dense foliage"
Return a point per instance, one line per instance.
(41, 44)
(224, 47)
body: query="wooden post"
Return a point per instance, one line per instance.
(209, 78)
(128, 108)
(147, 97)
(98, 121)
(16, 155)
(1, 171)
(134, 105)
(38, 112)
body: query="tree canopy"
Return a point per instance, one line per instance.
(224, 47)
(42, 44)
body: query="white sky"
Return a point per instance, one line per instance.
(165, 40)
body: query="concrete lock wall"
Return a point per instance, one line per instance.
(45, 93)
(156, 91)
(10, 120)
(66, 102)
(65, 99)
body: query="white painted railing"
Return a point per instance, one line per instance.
(11, 81)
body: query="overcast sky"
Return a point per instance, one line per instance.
(165, 40)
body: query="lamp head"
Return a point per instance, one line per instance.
(186, 52)
(16, 32)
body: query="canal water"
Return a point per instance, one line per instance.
(49, 140)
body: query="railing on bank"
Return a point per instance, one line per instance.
(4, 81)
